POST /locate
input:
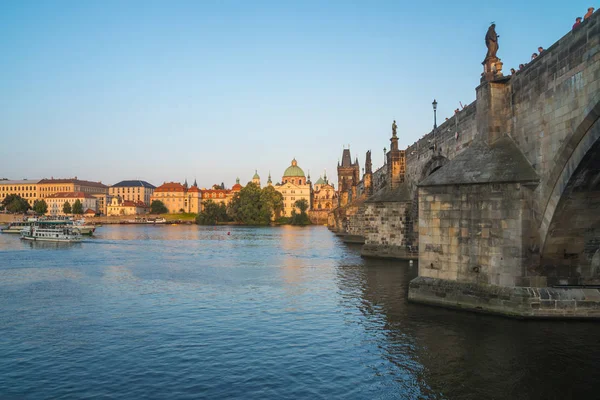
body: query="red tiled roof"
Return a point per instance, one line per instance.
(194, 189)
(170, 187)
(70, 195)
(225, 191)
(72, 180)
(90, 211)
(236, 187)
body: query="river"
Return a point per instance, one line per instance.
(187, 312)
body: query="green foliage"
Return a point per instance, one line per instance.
(67, 208)
(15, 204)
(40, 207)
(77, 207)
(253, 206)
(158, 207)
(212, 213)
(302, 218)
(301, 205)
(272, 201)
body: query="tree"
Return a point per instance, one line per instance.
(272, 202)
(247, 208)
(15, 204)
(302, 218)
(40, 207)
(158, 207)
(67, 208)
(77, 207)
(212, 213)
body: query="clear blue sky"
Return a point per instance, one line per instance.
(168, 90)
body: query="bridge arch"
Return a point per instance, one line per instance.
(570, 224)
(436, 162)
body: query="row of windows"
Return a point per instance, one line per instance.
(15, 188)
(122, 190)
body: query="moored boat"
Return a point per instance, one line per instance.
(17, 227)
(51, 234)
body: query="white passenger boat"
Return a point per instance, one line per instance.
(17, 227)
(141, 220)
(56, 234)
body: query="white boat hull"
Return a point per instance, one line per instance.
(42, 239)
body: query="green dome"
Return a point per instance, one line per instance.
(294, 170)
(256, 175)
(320, 181)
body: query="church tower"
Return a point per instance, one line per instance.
(256, 178)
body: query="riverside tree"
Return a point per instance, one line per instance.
(15, 204)
(40, 207)
(67, 208)
(302, 218)
(212, 213)
(77, 207)
(158, 207)
(253, 206)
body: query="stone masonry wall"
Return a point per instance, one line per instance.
(474, 233)
(388, 224)
(552, 98)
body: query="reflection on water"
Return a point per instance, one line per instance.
(188, 312)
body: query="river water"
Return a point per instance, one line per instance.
(175, 312)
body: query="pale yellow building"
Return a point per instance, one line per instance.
(56, 202)
(293, 187)
(133, 190)
(324, 195)
(27, 189)
(47, 187)
(118, 206)
(178, 198)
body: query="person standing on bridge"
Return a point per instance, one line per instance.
(589, 13)
(577, 23)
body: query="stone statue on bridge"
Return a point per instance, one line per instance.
(492, 66)
(491, 41)
(394, 128)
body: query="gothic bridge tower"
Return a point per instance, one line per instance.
(348, 178)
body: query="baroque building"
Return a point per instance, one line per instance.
(324, 195)
(118, 206)
(179, 198)
(294, 186)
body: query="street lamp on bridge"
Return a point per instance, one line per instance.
(434, 104)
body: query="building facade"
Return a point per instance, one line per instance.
(56, 202)
(133, 190)
(324, 195)
(118, 206)
(294, 186)
(48, 187)
(178, 198)
(27, 189)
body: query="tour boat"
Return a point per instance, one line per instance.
(140, 220)
(56, 234)
(17, 227)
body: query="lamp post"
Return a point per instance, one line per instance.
(384, 154)
(434, 104)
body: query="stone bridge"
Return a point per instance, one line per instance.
(508, 192)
